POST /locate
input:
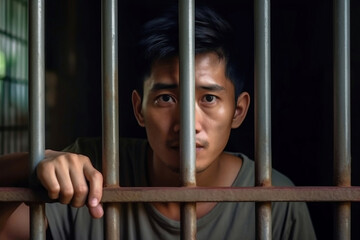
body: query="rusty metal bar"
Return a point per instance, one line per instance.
(37, 106)
(187, 88)
(263, 220)
(202, 194)
(187, 119)
(342, 132)
(110, 113)
(262, 90)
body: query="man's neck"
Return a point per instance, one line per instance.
(222, 173)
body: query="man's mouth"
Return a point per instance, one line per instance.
(200, 144)
(199, 147)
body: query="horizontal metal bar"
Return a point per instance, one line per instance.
(201, 194)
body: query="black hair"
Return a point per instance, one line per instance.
(160, 36)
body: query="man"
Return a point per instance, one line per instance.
(220, 105)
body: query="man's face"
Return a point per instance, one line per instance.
(215, 110)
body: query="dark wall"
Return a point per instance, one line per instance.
(302, 83)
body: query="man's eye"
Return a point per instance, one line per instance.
(209, 98)
(165, 98)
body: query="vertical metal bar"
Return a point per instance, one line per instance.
(262, 113)
(342, 151)
(187, 120)
(37, 106)
(110, 113)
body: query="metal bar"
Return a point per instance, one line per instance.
(38, 221)
(37, 105)
(262, 113)
(187, 88)
(263, 220)
(342, 132)
(204, 194)
(110, 113)
(187, 120)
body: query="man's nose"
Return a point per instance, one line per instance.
(198, 120)
(176, 125)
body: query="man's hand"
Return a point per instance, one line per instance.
(65, 177)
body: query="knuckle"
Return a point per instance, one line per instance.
(81, 190)
(67, 192)
(53, 192)
(76, 160)
(71, 158)
(42, 168)
(79, 198)
(63, 160)
(97, 176)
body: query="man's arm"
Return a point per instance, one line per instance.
(14, 221)
(14, 170)
(68, 177)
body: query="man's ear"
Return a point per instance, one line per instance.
(242, 106)
(137, 108)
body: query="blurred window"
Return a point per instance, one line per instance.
(13, 76)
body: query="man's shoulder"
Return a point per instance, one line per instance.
(247, 173)
(129, 149)
(83, 144)
(133, 143)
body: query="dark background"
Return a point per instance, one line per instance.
(302, 83)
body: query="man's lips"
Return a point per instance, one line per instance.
(200, 144)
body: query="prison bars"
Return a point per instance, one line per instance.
(110, 115)
(187, 106)
(342, 146)
(204, 194)
(37, 106)
(262, 91)
(263, 152)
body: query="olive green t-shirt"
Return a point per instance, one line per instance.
(142, 221)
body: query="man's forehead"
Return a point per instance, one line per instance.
(161, 86)
(209, 71)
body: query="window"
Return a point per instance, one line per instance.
(13, 76)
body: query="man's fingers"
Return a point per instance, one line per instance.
(66, 187)
(48, 179)
(95, 179)
(80, 188)
(71, 178)
(96, 212)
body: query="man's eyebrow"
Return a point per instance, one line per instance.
(161, 86)
(212, 87)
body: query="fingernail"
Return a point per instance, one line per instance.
(94, 202)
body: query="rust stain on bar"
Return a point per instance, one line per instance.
(199, 194)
